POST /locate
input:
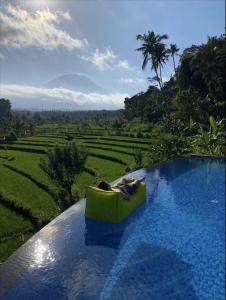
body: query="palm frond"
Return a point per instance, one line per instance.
(145, 61)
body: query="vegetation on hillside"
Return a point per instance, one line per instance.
(189, 108)
(180, 116)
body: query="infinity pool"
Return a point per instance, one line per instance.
(171, 248)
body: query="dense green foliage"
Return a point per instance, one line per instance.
(213, 140)
(182, 106)
(61, 166)
(195, 91)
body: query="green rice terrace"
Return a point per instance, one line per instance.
(27, 196)
(182, 116)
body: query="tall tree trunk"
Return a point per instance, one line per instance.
(160, 74)
(174, 64)
(156, 73)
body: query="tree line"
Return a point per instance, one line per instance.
(194, 92)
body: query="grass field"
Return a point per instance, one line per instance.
(107, 169)
(19, 186)
(8, 246)
(18, 223)
(23, 193)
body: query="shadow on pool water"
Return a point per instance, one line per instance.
(154, 272)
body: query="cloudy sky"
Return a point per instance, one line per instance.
(44, 39)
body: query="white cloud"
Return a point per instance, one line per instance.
(102, 60)
(19, 28)
(63, 96)
(106, 60)
(64, 14)
(123, 64)
(129, 80)
(165, 78)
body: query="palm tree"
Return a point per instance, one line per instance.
(173, 50)
(161, 55)
(152, 42)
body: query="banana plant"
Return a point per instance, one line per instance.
(214, 139)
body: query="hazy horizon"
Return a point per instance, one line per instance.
(43, 40)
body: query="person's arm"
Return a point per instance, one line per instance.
(124, 193)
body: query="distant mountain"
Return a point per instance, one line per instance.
(76, 82)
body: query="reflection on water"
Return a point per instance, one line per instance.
(42, 254)
(96, 235)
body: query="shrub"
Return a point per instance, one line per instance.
(166, 147)
(138, 157)
(11, 137)
(140, 135)
(61, 166)
(69, 137)
(213, 140)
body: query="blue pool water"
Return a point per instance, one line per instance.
(171, 248)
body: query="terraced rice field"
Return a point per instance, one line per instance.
(27, 195)
(23, 193)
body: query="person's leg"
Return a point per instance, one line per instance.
(138, 181)
(128, 180)
(131, 188)
(141, 180)
(120, 183)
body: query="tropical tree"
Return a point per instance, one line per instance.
(161, 55)
(138, 157)
(213, 140)
(173, 51)
(202, 68)
(61, 166)
(152, 49)
(5, 108)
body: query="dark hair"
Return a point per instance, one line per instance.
(104, 185)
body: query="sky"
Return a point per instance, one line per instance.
(44, 39)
